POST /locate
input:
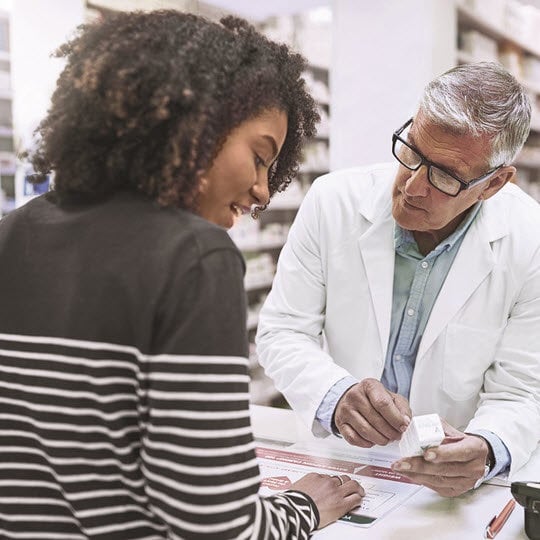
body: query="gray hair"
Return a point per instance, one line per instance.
(481, 99)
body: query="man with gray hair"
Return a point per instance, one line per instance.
(414, 288)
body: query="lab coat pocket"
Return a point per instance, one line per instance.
(468, 354)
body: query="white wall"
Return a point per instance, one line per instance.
(384, 53)
(38, 27)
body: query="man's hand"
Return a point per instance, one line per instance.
(450, 469)
(368, 414)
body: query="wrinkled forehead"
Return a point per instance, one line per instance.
(481, 145)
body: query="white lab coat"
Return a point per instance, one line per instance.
(478, 364)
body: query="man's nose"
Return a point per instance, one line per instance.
(417, 185)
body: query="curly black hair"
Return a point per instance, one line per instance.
(147, 99)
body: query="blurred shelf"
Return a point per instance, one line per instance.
(535, 122)
(252, 321)
(259, 284)
(284, 204)
(463, 57)
(262, 391)
(313, 172)
(274, 226)
(321, 70)
(532, 86)
(260, 245)
(470, 18)
(528, 162)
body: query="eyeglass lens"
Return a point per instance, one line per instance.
(412, 160)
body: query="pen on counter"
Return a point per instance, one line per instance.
(497, 522)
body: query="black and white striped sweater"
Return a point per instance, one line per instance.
(123, 380)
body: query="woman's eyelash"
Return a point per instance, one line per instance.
(259, 161)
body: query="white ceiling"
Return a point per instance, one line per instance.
(261, 9)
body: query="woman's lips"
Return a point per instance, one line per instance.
(240, 209)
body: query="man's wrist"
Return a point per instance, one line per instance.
(327, 409)
(489, 463)
(490, 457)
(335, 429)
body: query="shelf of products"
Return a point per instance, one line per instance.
(7, 149)
(261, 239)
(508, 32)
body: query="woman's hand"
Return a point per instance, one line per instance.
(334, 496)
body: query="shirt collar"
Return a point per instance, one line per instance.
(404, 240)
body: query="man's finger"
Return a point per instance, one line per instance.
(372, 427)
(450, 430)
(369, 419)
(464, 450)
(355, 409)
(403, 406)
(446, 486)
(353, 437)
(362, 427)
(417, 465)
(382, 401)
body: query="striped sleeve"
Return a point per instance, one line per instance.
(198, 458)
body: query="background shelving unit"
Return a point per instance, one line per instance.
(261, 240)
(7, 150)
(506, 31)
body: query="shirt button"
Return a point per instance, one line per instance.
(424, 264)
(410, 312)
(398, 357)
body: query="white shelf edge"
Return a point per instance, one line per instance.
(262, 392)
(259, 284)
(284, 205)
(258, 246)
(318, 172)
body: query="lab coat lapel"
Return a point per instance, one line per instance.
(377, 251)
(473, 263)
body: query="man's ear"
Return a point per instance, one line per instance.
(503, 175)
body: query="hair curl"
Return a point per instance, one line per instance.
(147, 99)
(481, 99)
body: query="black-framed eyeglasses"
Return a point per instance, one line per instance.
(438, 177)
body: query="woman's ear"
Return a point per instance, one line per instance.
(503, 175)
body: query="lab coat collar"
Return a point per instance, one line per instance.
(473, 263)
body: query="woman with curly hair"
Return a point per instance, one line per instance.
(123, 371)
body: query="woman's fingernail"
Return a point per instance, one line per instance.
(430, 456)
(403, 466)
